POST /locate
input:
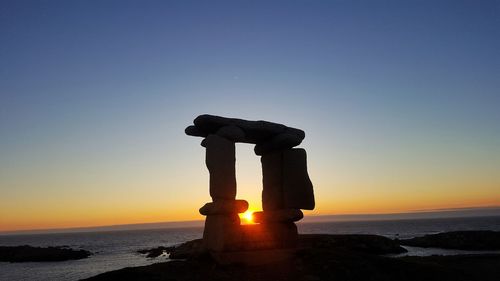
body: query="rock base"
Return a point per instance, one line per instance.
(252, 244)
(253, 258)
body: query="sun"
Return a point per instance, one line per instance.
(248, 216)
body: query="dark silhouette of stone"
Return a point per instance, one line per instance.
(189, 250)
(220, 160)
(286, 189)
(321, 257)
(286, 183)
(221, 207)
(156, 252)
(261, 244)
(279, 142)
(204, 143)
(282, 215)
(272, 181)
(253, 257)
(364, 243)
(297, 187)
(27, 253)
(232, 132)
(256, 131)
(460, 240)
(221, 232)
(267, 136)
(194, 131)
(271, 235)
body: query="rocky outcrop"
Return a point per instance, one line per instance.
(321, 257)
(38, 254)
(371, 244)
(460, 240)
(156, 252)
(365, 243)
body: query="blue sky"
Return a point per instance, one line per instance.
(390, 94)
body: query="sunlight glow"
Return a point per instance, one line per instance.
(248, 216)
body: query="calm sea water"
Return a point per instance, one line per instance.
(117, 249)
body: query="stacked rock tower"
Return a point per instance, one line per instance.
(286, 189)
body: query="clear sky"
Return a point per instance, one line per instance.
(400, 102)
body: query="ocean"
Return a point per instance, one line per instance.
(118, 249)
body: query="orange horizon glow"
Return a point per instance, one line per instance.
(393, 122)
(37, 223)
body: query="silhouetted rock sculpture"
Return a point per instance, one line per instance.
(222, 207)
(267, 136)
(286, 189)
(220, 160)
(297, 187)
(282, 215)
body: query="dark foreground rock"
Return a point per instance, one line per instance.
(460, 240)
(191, 249)
(28, 254)
(323, 257)
(156, 252)
(365, 243)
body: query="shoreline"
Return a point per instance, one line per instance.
(120, 248)
(322, 257)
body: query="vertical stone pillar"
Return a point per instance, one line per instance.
(272, 181)
(297, 187)
(286, 183)
(222, 223)
(221, 232)
(286, 189)
(220, 160)
(276, 223)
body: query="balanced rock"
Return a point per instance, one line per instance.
(297, 187)
(194, 131)
(279, 142)
(221, 207)
(220, 160)
(221, 232)
(283, 215)
(256, 132)
(232, 132)
(260, 244)
(287, 189)
(272, 181)
(269, 236)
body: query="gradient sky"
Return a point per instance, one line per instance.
(399, 101)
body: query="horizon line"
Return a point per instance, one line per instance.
(411, 214)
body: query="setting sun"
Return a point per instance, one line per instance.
(248, 216)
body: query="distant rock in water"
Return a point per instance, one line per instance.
(37, 254)
(156, 252)
(459, 240)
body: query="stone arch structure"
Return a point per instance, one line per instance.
(286, 188)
